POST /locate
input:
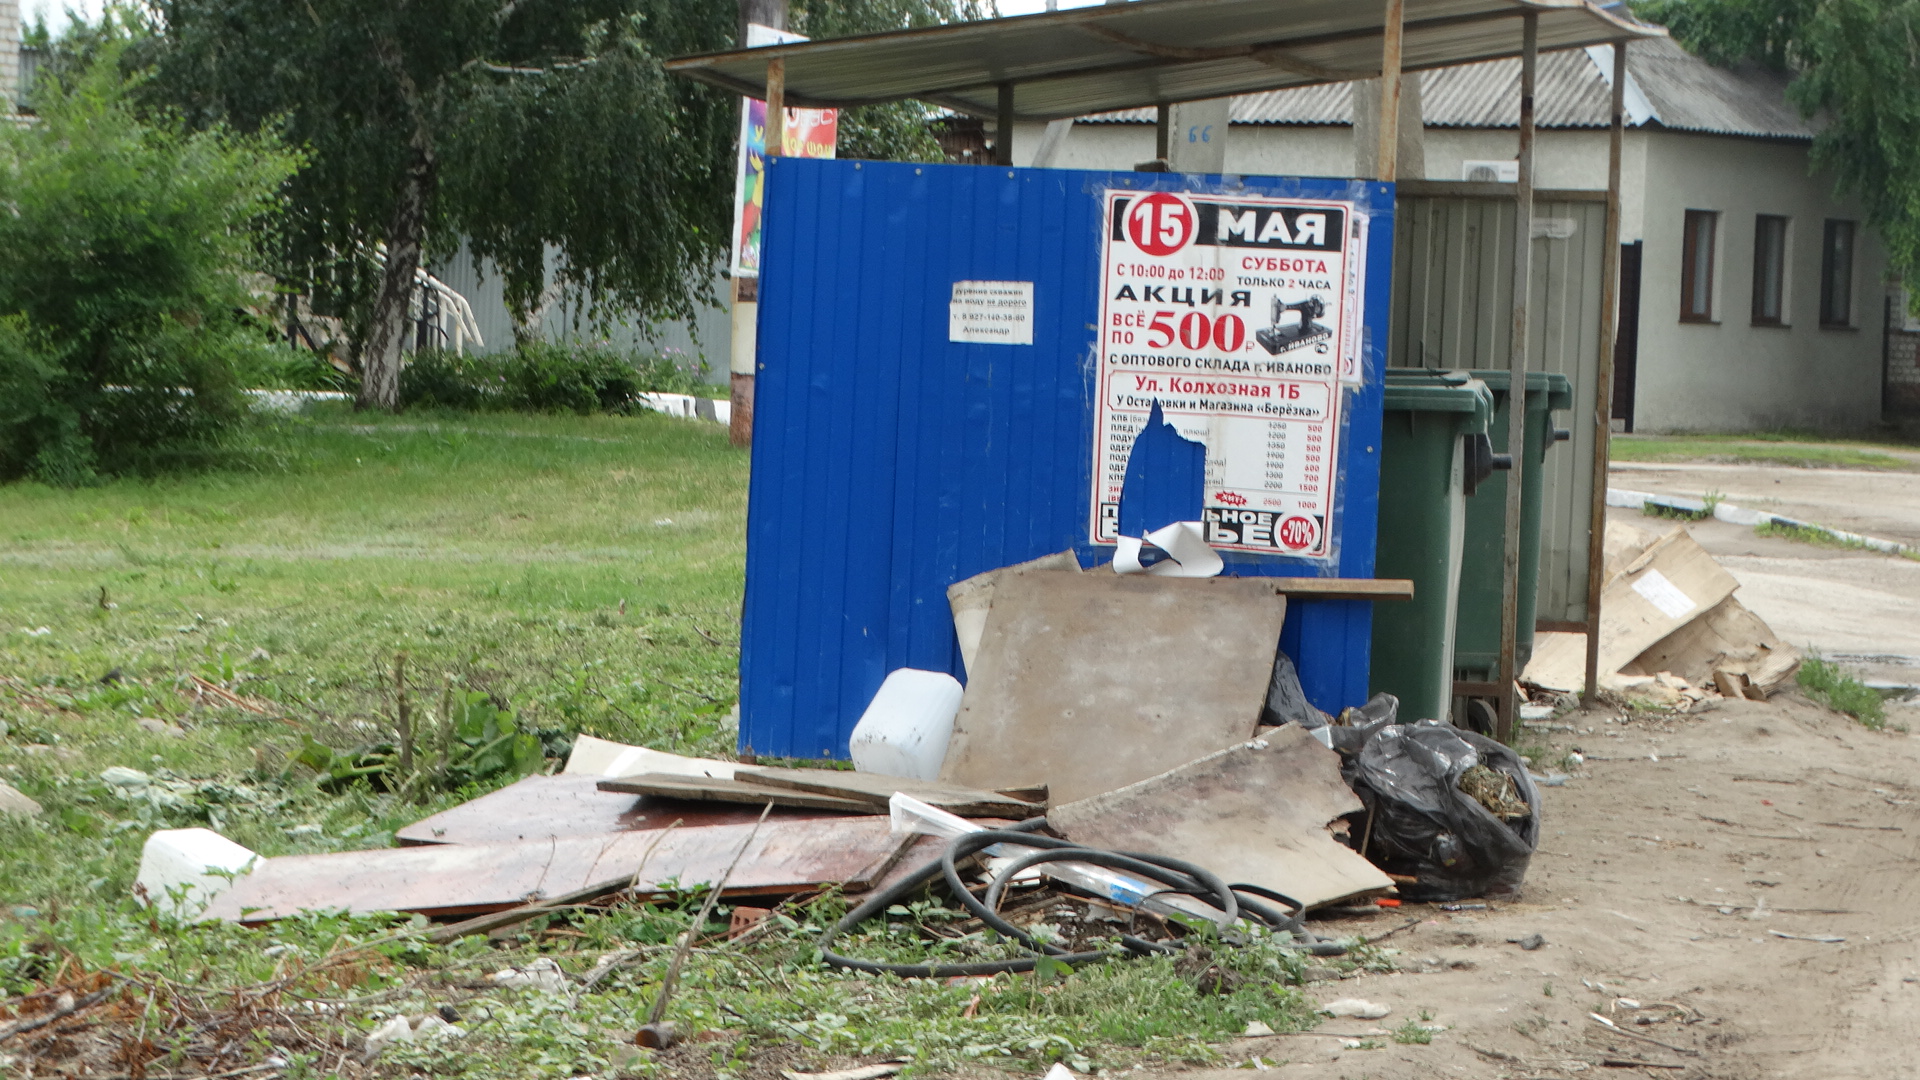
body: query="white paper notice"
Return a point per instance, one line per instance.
(1234, 314)
(991, 313)
(1664, 594)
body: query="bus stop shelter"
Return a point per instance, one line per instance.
(1158, 53)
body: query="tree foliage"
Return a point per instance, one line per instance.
(1855, 65)
(126, 253)
(519, 127)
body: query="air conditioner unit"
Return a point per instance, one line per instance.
(1487, 172)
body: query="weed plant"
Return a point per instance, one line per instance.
(1825, 683)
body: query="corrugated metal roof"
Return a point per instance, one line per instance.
(1667, 86)
(1150, 52)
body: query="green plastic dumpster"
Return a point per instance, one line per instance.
(1477, 635)
(1430, 424)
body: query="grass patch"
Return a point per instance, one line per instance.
(1754, 450)
(1413, 1033)
(584, 572)
(1827, 684)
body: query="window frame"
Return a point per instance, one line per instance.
(1762, 223)
(1828, 265)
(1691, 288)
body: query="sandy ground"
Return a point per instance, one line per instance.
(1672, 863)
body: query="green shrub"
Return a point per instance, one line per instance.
(1825, 683)
(125, 253)
(542, 377)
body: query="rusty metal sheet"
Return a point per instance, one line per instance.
(874, 790)
(728, 791)
(540, 807)
(457, 879)
(1088, 682)
(1254, 813)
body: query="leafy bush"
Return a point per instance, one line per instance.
(542, 377)
(125, 250)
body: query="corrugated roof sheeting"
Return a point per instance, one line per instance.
(1098, 59)
(1683, 92)
(1689, 94)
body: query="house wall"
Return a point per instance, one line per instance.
(1730, 375)
(9, 55)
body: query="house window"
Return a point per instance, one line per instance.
(1836, 274)
(1696, 269)
(1769, 270)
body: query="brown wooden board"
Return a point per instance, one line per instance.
(540, 807)
(456, 879)
(875, 790)
(1088, 682)
(727, 791)
(1255, 813)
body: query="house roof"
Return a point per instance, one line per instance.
(1666, 87)
(1115, 56)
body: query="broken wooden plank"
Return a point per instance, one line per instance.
(1323, 588)
(694, 789)
(543, 807)
(875, 789)
(460, 879)
(600, 757)
(1254, 813)
(1088, 682)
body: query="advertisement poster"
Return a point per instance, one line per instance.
(1236, 314)
(810, 133)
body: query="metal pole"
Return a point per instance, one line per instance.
(1162, 132)
(1003, 134)
(1387, 157)
(1517, 389)
(1603, 379)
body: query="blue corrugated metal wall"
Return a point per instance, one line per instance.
(889, 462)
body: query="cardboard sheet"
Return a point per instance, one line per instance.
(599, 757)
(1663, 588)
(451, 879)
(1254, 813)
(1089, 682)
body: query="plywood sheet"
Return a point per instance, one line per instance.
(1668, 585)
(727, 791)
(451, 879)
(545, 807)
(1088, 682)
(971, 598)
(1254, 813)
(874, 790)
(601, 757)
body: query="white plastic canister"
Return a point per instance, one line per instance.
(905, 729)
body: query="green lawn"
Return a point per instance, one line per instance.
(1799, 451)
(574, 567)
(587, 571)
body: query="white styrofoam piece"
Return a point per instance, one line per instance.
(905, 728)
(191, 863)
(602, 757)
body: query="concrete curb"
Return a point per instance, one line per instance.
(1638, 500)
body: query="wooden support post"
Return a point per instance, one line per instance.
(1386, 160)
(1517, 388)
(1603, 378)
(1003, 131)
(776, 108)
(1162, 132)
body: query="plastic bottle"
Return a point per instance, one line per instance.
(905, 729)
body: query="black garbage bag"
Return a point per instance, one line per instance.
(1425, 827)
(1286, 700)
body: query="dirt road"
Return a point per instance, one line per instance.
(1671, 866)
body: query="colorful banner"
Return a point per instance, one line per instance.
(809, 133)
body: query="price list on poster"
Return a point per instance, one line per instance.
(1237, 316)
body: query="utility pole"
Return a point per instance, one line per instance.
(743, 361)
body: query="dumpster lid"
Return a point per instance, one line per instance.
(1556, 388)
(1419, 390)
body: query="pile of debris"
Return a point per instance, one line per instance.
(1139, 737)
(1671, 631)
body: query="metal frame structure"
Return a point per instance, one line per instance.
(1063, 64)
